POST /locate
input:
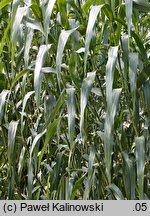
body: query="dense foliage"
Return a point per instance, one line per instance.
(74, 99)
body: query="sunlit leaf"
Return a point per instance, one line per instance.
(3, 96)
(71, 113)
(89, 31)
(129, 7)
(85, 92)
(3, 3)
(61, 45)
(140, 152)
(37, 72)
(11, 141)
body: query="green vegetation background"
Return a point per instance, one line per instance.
(74, 99)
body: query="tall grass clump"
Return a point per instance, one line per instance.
(74, 99)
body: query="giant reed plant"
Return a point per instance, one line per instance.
(74, 99)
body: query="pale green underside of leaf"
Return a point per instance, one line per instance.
(85, 92)
(3, 96)
(89, 31)
(61, 45)
(140, 157)
(37, 72)
(12, 128)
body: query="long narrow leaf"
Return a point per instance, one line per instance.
(37, 72)
(50, 132)
(11, 140)
(110, 67)
(85, 92)
(21, 11)
(129, 6)
(48, 13)
(4, 3)
(27, 96)
(129, 176)
(89, 31)
(71, 114)
(3, 96)
(29, 38)
(90, 174)
(61, 45)
(140, 157)
(147, 96)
